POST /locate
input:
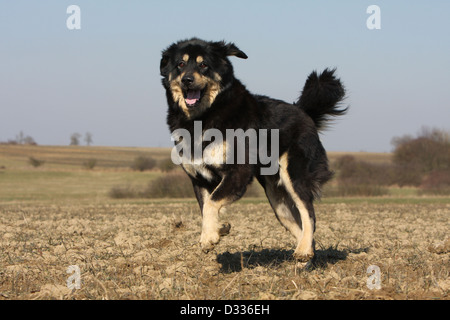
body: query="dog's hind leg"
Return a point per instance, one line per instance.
(282, 204)
(305, 246)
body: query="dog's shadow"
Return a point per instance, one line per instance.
(236, 262)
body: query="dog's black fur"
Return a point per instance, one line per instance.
(200, 86)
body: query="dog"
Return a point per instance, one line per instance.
(201, 89)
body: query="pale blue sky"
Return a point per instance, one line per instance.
(105, 77)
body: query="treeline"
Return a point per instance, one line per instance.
(21, 138)
(422, 161)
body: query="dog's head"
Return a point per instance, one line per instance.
(195, 72)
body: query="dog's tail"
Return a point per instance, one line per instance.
(321, 97)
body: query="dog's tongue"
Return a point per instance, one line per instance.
(192, 97)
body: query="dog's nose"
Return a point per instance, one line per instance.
(187, 80)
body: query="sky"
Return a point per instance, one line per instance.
(104, 78)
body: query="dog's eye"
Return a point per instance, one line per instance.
(181, 64)
(203, 65)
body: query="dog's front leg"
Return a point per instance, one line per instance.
(211, 227)
(210, 214)
(231, 188)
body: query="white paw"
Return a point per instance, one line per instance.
(208, 240)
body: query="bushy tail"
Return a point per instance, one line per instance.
(321, 96)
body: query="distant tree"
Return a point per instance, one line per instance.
(21, 138)
(75, 139)
(29, 140)
(88, 138)
(428, 152)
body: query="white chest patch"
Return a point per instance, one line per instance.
(196, 160)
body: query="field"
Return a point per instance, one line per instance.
(60, 215)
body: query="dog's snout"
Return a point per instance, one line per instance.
(187, 80)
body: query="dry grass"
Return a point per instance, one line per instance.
(151, 251)
(60, 215)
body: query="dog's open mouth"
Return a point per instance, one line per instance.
(193, 97)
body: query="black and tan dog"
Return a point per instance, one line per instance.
(201, 88)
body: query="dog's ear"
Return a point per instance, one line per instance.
(164, 63)
(230, 49)
(165, 60)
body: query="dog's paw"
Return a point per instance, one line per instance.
(302, 257)
(304, 252)
(208, 241)
(207, 247)
(305, 261)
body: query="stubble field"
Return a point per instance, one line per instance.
(148, 249)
